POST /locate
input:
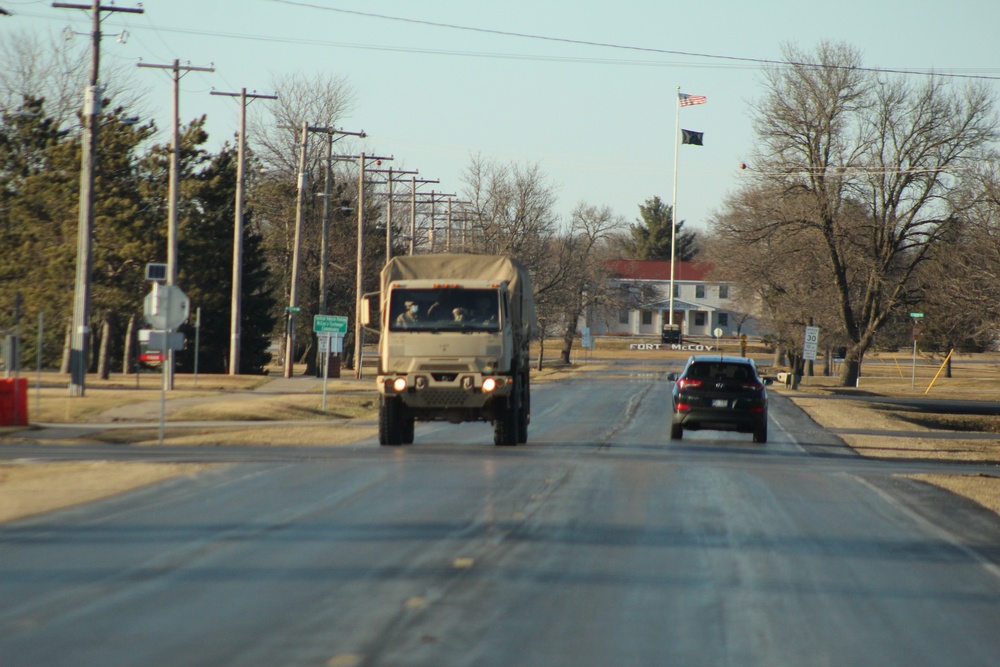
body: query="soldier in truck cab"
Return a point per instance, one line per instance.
(409, 315)
(484, 311)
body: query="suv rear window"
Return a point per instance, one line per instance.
(719, 370)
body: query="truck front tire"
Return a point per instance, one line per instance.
(506, 421)
(524, 411)
(391, 425)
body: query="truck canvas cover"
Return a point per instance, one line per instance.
(467, 267)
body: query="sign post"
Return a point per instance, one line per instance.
(810, 346)
(165, 308)
(917, 317)
(330, 330)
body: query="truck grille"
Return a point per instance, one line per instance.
(443, 398)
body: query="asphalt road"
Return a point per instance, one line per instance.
(598, 543)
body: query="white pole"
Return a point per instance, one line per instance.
(38, 362)
(359, 282)
(326, 372)
(197, 342)
(673, 208)
(236, 295)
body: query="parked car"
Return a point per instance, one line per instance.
(671, 334)
(720, 393)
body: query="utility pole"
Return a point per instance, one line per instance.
(434, 199)
(464, 217)
(359, 278)
(324, 249)
(413, 209)
(175, 153)
(324, 245)
(175, 160)
(358, 281)
(293, 306)
(447, 235)
(390, 179)
(235, 309)
(85, 229)
(293, 297)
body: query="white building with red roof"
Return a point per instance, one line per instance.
(701, 304)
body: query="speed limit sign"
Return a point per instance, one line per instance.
(811, 344)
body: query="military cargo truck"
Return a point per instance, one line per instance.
(455, 331)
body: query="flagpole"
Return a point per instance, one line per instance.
(673, 208)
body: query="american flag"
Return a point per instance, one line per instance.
(691, 100)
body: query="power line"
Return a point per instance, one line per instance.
(724, 62)
(624, 47)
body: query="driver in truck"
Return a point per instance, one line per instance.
(409, 316)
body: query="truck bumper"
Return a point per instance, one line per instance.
(445, 391)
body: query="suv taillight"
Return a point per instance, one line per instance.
(684, 383)
(754, 385)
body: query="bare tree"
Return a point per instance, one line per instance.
(274, 134)
(960, 281)
(833, 140)
(512, 210)
(782, 279)
(275, 128)
(56, 69)
(580, 282)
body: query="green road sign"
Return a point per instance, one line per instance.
(330, 324)
(916, 315)
(292, 309)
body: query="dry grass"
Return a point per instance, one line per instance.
(843, 413)
(26, 490)
(982, 489)
(846, 414)
(57, 407)
(223, 398)
(284, 407)
(256, 435)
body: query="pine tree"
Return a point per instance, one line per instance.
(205, 255)
(649, 237)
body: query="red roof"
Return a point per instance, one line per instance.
(654, 269)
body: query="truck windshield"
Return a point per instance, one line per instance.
(444, 309)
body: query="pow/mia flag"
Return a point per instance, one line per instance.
(693, 138)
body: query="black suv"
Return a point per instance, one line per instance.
(719, 393)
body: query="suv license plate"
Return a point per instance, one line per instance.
(720, 403)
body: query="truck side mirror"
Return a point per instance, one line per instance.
(365, 311)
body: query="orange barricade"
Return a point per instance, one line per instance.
(14, 402)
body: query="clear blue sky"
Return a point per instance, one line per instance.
(599, 120)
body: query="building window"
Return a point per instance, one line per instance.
(622, 317)
(699, 319)
(723, 291)
(647, 317)
(699, 291)
(677, 291)
(723, 319)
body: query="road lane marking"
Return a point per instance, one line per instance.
(415, 602)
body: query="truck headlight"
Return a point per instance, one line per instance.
(489, 384)
(399, 385)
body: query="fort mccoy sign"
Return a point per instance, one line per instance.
(671, 346)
